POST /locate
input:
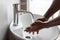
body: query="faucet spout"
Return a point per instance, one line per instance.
(16, 11)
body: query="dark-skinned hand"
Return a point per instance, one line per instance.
(35, 27)
(41, 19)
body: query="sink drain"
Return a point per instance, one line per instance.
(28, 37)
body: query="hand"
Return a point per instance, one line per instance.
(35, 27)
(41, 19)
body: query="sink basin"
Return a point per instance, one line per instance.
(44, 34)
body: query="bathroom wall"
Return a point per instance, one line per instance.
(3, 18)
(6, 15)
(40, 7)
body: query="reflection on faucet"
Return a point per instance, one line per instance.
(16, 11)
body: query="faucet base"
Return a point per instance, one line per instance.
(15, 25)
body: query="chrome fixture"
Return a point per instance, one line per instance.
(16, 11)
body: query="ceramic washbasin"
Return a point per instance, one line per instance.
(44, 34)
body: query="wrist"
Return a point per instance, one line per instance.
(46, 18)
(46, 25)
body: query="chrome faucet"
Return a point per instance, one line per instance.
(16, 11)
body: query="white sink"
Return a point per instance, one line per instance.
(45, 34)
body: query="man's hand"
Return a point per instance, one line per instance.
(41, 19)
(35, 27)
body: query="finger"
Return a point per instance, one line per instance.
(37, 31)
(37, 20)
(29, 32)
(28, 28)
(32, 24)
(25, 30)
(33, 32)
